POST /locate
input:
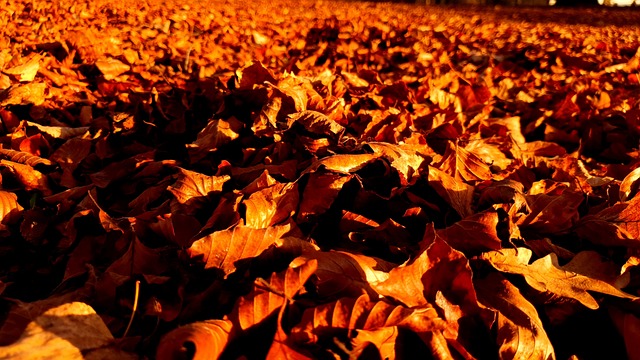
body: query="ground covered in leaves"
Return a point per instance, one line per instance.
(315, 179)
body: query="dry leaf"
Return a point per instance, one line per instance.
(521, 334)
(198, 340)
(546, 275)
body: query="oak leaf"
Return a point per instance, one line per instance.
(546, 275)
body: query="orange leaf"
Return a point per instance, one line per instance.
(271, 206)
(10, 210)
(454, 191)
(30, 178)
(630, 185)
(270, 295)
(464, 165)
(24, 94)
(319, 193)
(438, 268)
(199, 341)
(546, 275)
(521, 334)
(223, 249)
(475, 233)
(342, 273)
(618, 225)
(111, 68)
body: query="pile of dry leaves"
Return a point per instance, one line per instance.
(318, 180)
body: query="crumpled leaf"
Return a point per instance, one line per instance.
(551, 214)
(629, 185)
(26, 71)
(454, 191)
(270, 295)
(69, 331)
(404, 159)
(198, 340)
(111, 68)
(365, 320)
(315, 202)
(24, 94)
(521, 334)
(24, 158)
(9, 208)
(30, 178)
(474, 233)
(271, 205)
(618, 225)
(342, 273)
(417, 282)
(191, 184)
(317, 123)
(546, 275)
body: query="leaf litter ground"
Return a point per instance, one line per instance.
(318, 180)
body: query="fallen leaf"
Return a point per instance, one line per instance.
(223, 249)
(111, 68)
(520, 331)
(546, 275)
(70, 331)
(198, 340)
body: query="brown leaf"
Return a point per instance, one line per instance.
(30, 178)
(10, 210)
(198, 340)
(343, 163)
(271, 206)
(365, 321)
(550, 214)
(521, 334)
(24, 158)
(191, 186)
(59, 132)
(111, 68)
(69, 331)
(618, 225)
(341, 273)
(26, 71)
(319, 193)
(438, 268)
(316, 123)
(217, 133)
(403, 158)
(454, 191)
(628, 325)
(223, 249)
(546, 275)
(270, 295)
(254, 74)
(474, 233)
(24, 94)
(629, 185)
(464, 165)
